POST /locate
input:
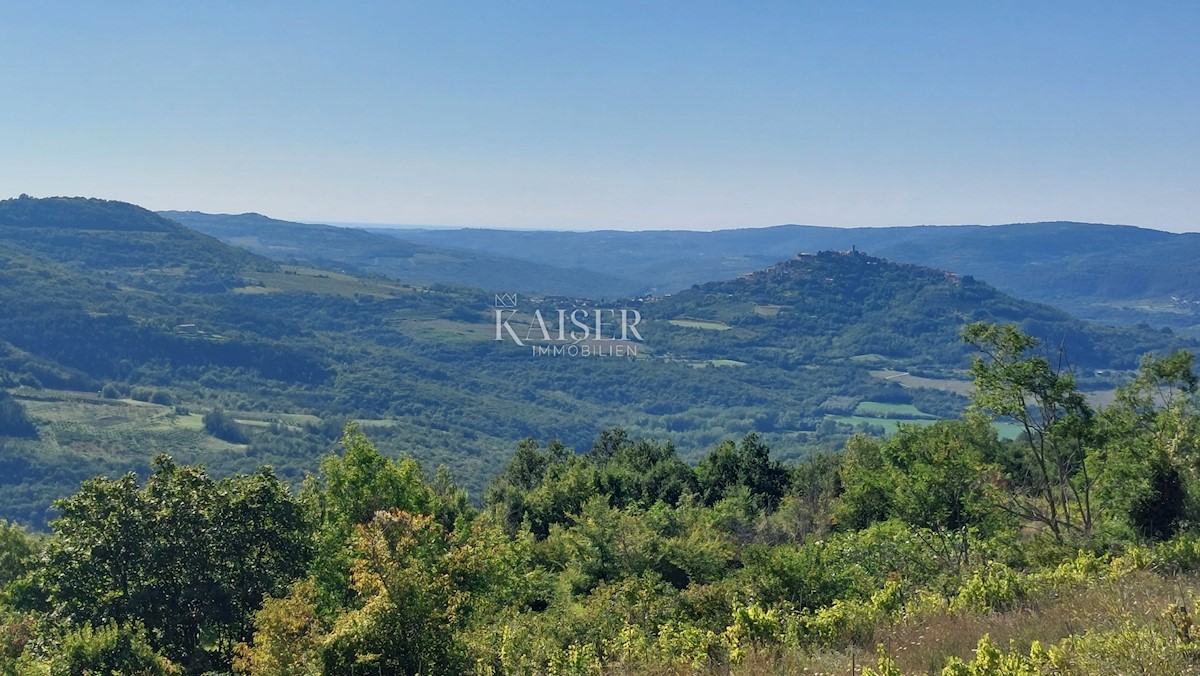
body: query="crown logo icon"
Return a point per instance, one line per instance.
(506, 300)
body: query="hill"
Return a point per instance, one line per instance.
(848, 305)
(131, 245)
(114, 362)
(1107, 273)
(363, 252)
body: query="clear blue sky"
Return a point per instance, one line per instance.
(572, 114)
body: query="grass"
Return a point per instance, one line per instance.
(300, 279)
(704, 363)
(1097, 398)
(1008, 430)
(699, 324)
(923, 643)
(116, 428)
(191, 421)
(87, 423)
(449, 329)
(369, 423)
(889, 425)
(962, 387)
(878, 409)
(767, 310)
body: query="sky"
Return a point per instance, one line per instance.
(629, 115)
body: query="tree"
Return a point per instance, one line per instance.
(13, 422)
(1057, 422)
(287, 636)
(16, 552)
(944, 487)
(188, 557)
(350, 490)
(98, 564)
(1152, 436)
(868, 484)
(417, 587)
(746, 464)
(932, 478)
(222, 426)
(265, 543)
(362, 481)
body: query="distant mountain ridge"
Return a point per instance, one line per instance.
(1108, 273)
(1114, 274)
(364, 252)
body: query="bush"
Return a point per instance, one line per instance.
(995, 588)
(106, 650)
(1181, 554)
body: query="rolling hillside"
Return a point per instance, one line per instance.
(363, 252)
(115, 360)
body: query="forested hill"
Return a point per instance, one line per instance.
(130, 244)
(364, 252)
(848, 305)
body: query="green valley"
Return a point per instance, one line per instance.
(293, 352)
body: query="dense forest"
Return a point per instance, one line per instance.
(942, 549)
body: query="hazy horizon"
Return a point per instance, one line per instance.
(408, 226)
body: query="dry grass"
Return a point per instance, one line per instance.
(924, 644)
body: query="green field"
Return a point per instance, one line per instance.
(868, 358)
(717, 362)
(367, 423)
(85, 422)
(889, 425)
(1097, 398)
(875, 409)
(962, 387)
(1008, 430)
(323, 282)
(447, 329)
(700, 324)
(116, 428)
(891, 416)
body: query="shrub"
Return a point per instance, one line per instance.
(106, 650)
(995, 587)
